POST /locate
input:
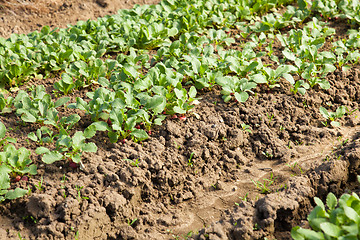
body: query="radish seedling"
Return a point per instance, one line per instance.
(333, 116)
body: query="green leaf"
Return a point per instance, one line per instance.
(331, 201)
(324, 112)
(100, 53)
(289, 55)
(61, 101)
(33, 169)
(156, 103)
(192, 92)
(17, 193)
(89, 147)
(324, 84)
(78, 138)
(32, 136)
(309, 234)
(178, 109)
(340, 111)
(196, 64)
(51, 157)
(353, 230)
(295, 234)
(11, 140)
(28, 117)
(76, 158)
(66, 78)
(352, 214)
(139, 134)
(2, 130)
(331, 229)
(242, 96)
(159, 119)
(41, 150)
(113, 136)
(319, 202)
(289, 78)
(72, 119)
(4, 180)
(101, 126)
(258, 78)
(90, 131)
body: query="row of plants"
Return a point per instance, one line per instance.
(143, 27)
(336, 219)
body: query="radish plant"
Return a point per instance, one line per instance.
(39, 135)
(69, 147)
(235, 87)
(15, 163)
(332, 116)
(334, 219)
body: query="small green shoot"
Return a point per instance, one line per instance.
(264, 186)
(246, 128)
(39, 185)
(131, 222)
(78, 189)
(270, 117)
(244, 199)
(190, 161)
(267, 155)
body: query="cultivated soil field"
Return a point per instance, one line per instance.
(182, 120)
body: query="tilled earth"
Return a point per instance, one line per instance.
(193, 178)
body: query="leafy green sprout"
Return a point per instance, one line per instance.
(190, 161)
(177, 145)
(34, 220)
(131, 222)
(350, 112)
(332, 116)
(134, 162)
(295, 166)
(63, 180)
(38, 136)
(270, 117)
(264, 186)
(267, 155)
(246, 128)
(244, 199)
(334, 219)
(76, 237)
(39, 185)
(78, 189)
(282, 186)
(19, 234)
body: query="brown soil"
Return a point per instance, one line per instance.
(151, 190)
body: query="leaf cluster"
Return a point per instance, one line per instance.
(340, 219)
